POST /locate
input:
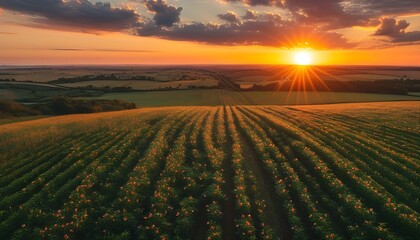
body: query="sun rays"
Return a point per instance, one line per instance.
(302, 79)
(302, 57)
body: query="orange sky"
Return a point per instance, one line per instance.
(46, 50)
(24, 45)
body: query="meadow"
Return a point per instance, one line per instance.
(267, 74)
(146, 85)
(34, 93)
(184, 77)
(48, 74)
(137, 78)
(217, 97)
(152, 86)
(37, 92)
(341, 171)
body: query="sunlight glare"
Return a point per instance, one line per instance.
(302, 58)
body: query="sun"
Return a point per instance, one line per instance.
(302, 57)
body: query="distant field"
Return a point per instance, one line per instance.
(215, 97)
(343, 171)
(414, 94)
(172, 76)
(160, 74)
(209, 97)
(362, 77)
(267, 74)
(36, 92)
(145, 85)
(15, 94)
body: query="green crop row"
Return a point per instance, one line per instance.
(212, 173)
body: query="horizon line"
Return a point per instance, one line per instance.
(197, 64)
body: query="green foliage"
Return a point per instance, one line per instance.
(87, 78)
(10, 108)
(197, 173)
(63, 105)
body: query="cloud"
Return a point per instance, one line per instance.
(396, 31)
(229, 17)
(79, 14)
(389, 7)
(408, 37)
(165, 15)
(258, 2)
(250, 15)
(265, 32)
(335, 14)
(266, 29)
(307, 23)
(370, 7)
(390, 26)
(324, 16)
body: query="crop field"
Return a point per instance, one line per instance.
(44, 75)
(195, 97)
(216, 97)
(267, 74)
(347, 171)
(36, 92)
(146, 85)
(138, 78)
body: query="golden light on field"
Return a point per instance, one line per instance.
(302, 57)
(303, 79)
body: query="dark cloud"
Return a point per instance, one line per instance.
(372, 7)
(388, 7)
(273, 17)
(312, 22)
(258, 2)
(229, 17)
(395, 30)
(335, 14)
(249, 15)
(252, 32)
(390, 27)
(165, 15)
(325, 14)
(408, 37)
(80, 14)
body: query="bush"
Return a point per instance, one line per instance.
(63, 105)
(10, 108)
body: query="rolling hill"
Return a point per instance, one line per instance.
(246, 172)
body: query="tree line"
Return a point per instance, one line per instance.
(62, 105)
(401, 87)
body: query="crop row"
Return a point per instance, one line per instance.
(213, 173)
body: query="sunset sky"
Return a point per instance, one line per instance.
(353, 32)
